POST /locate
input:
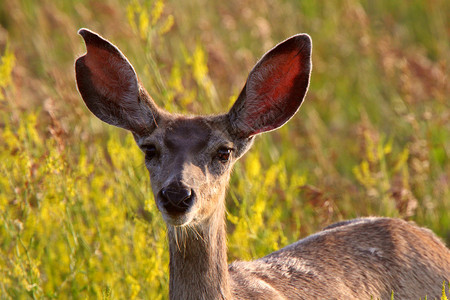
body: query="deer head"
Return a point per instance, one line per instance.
(190, 158)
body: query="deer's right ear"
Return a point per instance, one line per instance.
(109, 86)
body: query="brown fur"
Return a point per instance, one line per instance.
(190, 160)
(362, 258)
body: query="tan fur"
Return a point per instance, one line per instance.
(368, 257)
(190, 160)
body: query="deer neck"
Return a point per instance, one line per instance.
(198, 260)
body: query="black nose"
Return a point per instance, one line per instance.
(176, 198)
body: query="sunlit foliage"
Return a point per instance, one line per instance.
(77, 216)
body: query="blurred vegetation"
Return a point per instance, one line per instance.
(77, 217)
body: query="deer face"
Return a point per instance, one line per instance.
(190, 158)
(189, 161)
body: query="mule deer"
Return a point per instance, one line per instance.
(190, 158)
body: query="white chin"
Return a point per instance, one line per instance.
(178, 220)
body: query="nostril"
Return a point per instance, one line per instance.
(177, 196)
(176, 199)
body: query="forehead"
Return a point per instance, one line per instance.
(188, 133)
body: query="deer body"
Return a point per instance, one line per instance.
(190, 160)
(368, 257)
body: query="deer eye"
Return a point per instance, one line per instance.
(149, 151)
(223, 154)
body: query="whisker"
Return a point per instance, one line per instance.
(198, 235)
(176, 238)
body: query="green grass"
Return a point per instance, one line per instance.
(77, 217)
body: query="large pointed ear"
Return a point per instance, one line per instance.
(275, 88)
(109, 86)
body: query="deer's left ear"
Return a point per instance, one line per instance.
(275, 88)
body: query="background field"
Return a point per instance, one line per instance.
(77, 217)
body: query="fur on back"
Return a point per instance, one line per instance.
(349, 260)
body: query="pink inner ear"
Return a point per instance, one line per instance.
(111, 76)
(279, 78)
(272, 93)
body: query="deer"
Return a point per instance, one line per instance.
(190, 159)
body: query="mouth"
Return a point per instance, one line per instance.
(179, 214)
(177, 219)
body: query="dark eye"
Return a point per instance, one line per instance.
(150, 151)
(223, 154)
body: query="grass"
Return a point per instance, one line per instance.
(77, 217)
